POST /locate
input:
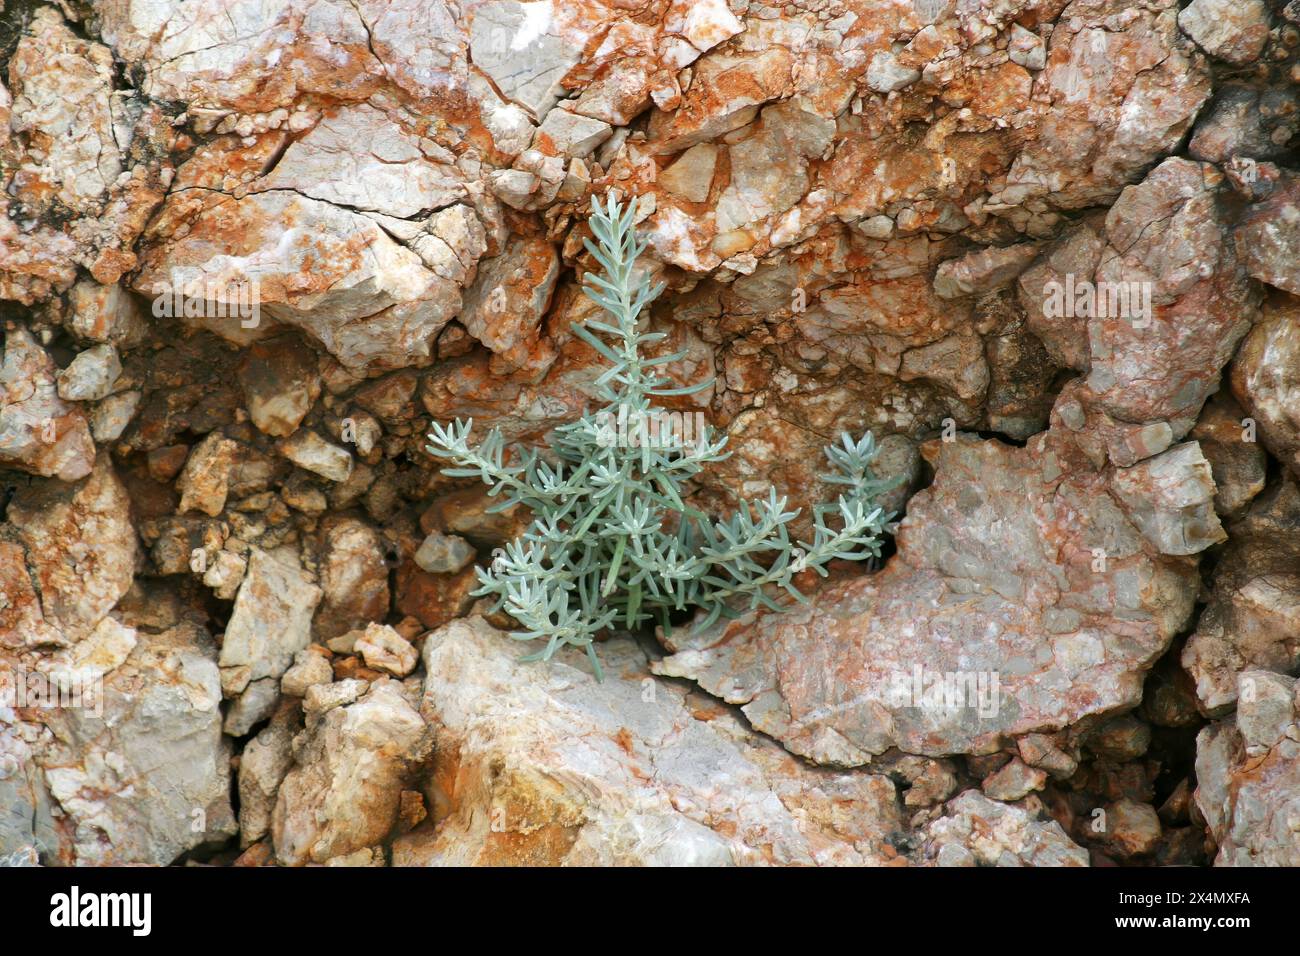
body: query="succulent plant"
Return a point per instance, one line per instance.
(613, 543)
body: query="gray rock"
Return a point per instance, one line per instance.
(79, 546)
(955, 645)
(308, 450)
(149, 777)
(983, 270)
(1132, 829)
(353, 576)
(106, 313)
(1230, 444)
(691, 174)
(1026, 48)
(110, 417)
(40, 433)
(383, 649)
(310, 667)
(1247, 122)
(257, 702)
(505, 305)
(524, 58)
(1252, 617)
(570, 134)
(1120, 739)
(1265, 378)
(1013, 781)
(1248, 793)
(262, 767)
(444, 553)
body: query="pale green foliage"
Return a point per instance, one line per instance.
(612, 543)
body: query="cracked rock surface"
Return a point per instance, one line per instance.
(1045, 250)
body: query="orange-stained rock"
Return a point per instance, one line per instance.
(543, 766)
(434, 599)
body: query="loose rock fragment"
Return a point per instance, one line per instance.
(444, 554)
(308, 450)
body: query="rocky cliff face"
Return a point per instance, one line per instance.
(1048, 252)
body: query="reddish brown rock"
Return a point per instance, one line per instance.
(435, 599)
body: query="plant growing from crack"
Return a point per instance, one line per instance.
(612, 543)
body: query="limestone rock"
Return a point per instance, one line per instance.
(310, 667)
(978, 831)
(353, 577)
(40, 433)
(504, 307)
(257, 703)
(570, 134)
(149, 777)
(543, 765)
(1266, 379)
(262, 767)
(80, 547)
(978, 272)
(204, 482)
(62, 101)
(270, 623)
(110, 417)
(384, 649)
(1132, 829)
(1269, 237)
(361, 158)
(1231, 31)
(280, 383)
(444, 554)
(1250, 801)
(90, 375)
(350, 766)
(332, 272)
(1246, 122)
(525, 50)
(106, 313)
(976, 630)
(1237, 462)
(249, 251)
(1170, 498)
(1252, 621)
(308, 450)
(1013, 781)
(691, 174)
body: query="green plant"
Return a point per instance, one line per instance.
(612, 542)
